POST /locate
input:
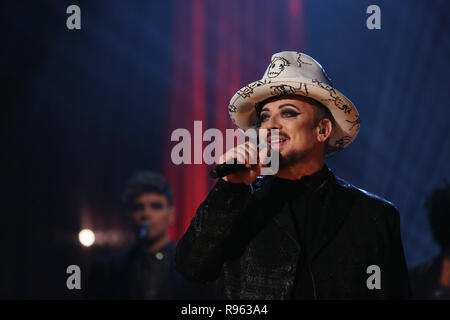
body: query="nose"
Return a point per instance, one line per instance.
(147, 214)
(273, 123)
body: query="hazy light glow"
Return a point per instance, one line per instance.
(86, 237)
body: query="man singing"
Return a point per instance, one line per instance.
(302, 233)
(145, 271)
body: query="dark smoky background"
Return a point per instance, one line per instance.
(84, 109)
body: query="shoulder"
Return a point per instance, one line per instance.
(364, 195)
(367, 201)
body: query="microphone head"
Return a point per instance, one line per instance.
(144, 229)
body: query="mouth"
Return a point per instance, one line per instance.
(277, 142)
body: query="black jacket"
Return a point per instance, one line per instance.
(124, 276)
(246, 237)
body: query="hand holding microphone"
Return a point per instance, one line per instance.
(245, 167)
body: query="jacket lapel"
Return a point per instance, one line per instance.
(337, 206)
(285, 222)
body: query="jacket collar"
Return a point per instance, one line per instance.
(336, 208)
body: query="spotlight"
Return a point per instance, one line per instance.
(86, 237)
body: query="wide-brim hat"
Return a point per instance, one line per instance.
(295, 73)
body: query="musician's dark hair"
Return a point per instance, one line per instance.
(437, 204)
(146, 182)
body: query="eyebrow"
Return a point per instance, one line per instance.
(281, 106)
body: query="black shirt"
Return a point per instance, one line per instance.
(149, 274)
(306, 198)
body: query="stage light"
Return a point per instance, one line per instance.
(86, 237)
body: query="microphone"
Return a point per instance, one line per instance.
(225, 169)
(144, 230)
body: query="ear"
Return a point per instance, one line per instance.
(323, 130)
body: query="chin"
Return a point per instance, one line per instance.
(290, 157)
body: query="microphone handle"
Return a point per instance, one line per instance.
(224, 169)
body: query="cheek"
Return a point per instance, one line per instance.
(301, 132)
(162, 219)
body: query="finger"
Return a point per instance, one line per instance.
(263, 134)
(229, 156)
(264, 155)
(233, 154)
(251, 155)
(252, 151)
(251, 144)
(238, 156)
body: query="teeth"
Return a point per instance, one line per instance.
(277, 140)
